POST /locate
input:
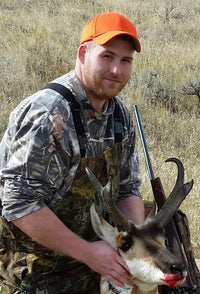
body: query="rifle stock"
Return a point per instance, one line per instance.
(158, 191)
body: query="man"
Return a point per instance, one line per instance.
(48, 245)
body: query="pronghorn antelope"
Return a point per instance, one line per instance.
(141, 247)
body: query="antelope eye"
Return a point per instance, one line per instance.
(126, 245)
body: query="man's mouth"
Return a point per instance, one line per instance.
(112, 80)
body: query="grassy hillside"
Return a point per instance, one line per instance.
(39, 40)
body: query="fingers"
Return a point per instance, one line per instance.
(121, 262)
(106, 261)
(119, 280)
(115, 281)
(120, 275)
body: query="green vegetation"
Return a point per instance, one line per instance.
(39, 40)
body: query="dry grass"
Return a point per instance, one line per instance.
(39, 40)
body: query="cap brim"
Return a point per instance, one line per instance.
(104, 38)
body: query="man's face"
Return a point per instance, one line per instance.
(107, 68)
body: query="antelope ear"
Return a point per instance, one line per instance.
(102, 228)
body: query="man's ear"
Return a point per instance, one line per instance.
(81, 53)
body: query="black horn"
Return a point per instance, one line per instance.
(180, 176)
(176, 197)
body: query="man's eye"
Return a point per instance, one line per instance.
(126, 60)
(107, 56)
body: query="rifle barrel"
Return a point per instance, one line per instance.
(144, 145)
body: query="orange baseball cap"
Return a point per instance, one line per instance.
(105, 26)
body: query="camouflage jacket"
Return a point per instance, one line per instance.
(40, 152)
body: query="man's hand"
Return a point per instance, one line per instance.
(45, 228)
(106, 261)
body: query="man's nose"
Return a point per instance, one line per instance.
(116, 68)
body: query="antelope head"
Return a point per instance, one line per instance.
(141, 247)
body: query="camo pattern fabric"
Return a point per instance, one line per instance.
(40, 159)
(40, 152)
(33, 268)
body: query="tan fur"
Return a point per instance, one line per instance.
(198, 263)
(150, 208)
(138, 251)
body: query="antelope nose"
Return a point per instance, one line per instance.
(177, 268)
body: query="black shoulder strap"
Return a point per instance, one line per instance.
(75, 109)
(62, 90)
(118, 126)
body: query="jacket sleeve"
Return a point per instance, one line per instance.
(35, 164)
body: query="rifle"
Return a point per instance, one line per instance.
(177, 230)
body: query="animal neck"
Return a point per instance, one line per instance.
(109, 288)
(137, 290)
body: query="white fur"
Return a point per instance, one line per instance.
(105, 287)
(146, 276)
